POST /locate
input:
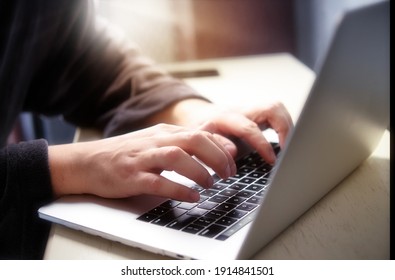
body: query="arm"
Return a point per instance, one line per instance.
(131, 164)
(94, 77)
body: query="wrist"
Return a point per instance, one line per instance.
(187, 113)
(64, 170)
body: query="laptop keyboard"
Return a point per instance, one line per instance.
(223, 209)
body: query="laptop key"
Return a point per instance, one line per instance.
(266, 168)
(262, 181)
(218, 198)
(255, 188)
(216, 178)
(228, 181)
(181, 222)
(236, 227)
(197, 188)
(209, 192)
(219, 187)
(260, 194)
(192, 228)
(245, 170)
(170, 204)
(212, 231)
(236, 176)
(226, 221)
(197, 212)
(168, 217)
(247, 180)
(202, 198)
(186, 205)
(207, 205)
(225, 207)
(236, 200)
(158, 211)
(245, 194)
(215, 214)
(204, 221)
(228, 192)
(237, 214)
(254, 200)
(246, 207)
(238, 186)
(147, 217)
(256, 174)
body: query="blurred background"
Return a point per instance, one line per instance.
(182, 30)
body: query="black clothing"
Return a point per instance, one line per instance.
(24, 170)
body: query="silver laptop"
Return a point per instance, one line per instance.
(344, 117)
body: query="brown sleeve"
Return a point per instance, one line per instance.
(148, 88)
(94, 77)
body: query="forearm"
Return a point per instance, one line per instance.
(95, 77)
(149, 90)
(190, 112)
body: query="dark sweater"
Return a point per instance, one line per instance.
(56, 59)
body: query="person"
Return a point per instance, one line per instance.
(57, 57)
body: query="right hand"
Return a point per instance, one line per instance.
(131, 164)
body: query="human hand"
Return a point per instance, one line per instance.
(245, 124)
(131, 164)
(242, 123)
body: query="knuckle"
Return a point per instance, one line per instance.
(250, 127)
(162, 126)
(126, 168)
(197, 136)
(173, 153)
(209, 126)
(276, 107)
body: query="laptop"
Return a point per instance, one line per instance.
(342, 121)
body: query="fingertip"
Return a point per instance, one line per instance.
(194, 196)
(270, 156)
(210, 182)
(231, 148)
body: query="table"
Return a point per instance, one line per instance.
(351, 222)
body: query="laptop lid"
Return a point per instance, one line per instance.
(344, 117)
(341, 123)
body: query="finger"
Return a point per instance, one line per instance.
(155, 184)
(206, 148)
(227, 144)
(240, 126)
(175, 159)
(275, 116)
(214, 154)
